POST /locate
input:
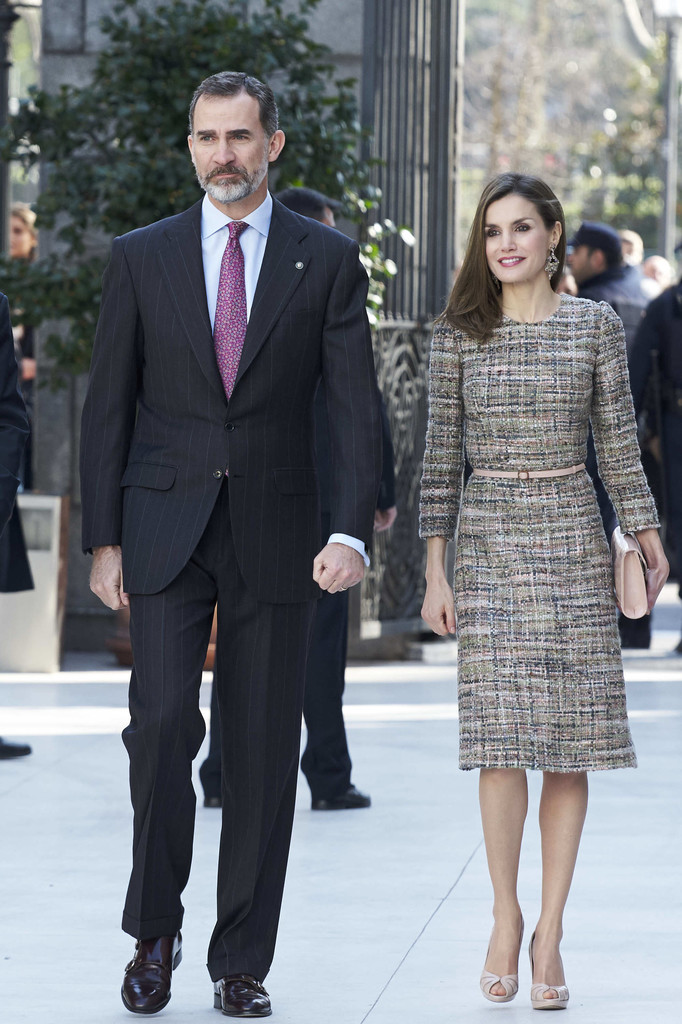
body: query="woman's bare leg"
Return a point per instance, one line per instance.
(503, 795)
(563, 806)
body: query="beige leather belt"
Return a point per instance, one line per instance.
(529, 474)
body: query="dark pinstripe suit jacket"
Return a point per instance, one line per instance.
(158, 431)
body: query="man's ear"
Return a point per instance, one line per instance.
(598, 261)
(276, 145)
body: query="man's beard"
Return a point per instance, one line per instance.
(232, 191)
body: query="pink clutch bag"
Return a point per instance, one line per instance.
(629, 574)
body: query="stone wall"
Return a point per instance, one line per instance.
(71, 40)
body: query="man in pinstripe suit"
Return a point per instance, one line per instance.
(191, 498)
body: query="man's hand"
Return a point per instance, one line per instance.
(338, 567)
(384, 518)
(106, 578)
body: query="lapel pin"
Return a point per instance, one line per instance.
(299, 265)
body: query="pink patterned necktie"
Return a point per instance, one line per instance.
(229, 328)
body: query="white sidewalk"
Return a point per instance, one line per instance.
(387, 911)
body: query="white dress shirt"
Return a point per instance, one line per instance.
(214, 237)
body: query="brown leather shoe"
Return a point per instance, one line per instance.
(241, 995)
(147, 980)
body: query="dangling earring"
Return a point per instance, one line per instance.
(496, 281)
(551, 263)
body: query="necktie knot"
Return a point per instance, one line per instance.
(235, 227)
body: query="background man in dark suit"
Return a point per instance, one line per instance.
(326, 761)
(200, 487)
(595, 256)
(13, 437)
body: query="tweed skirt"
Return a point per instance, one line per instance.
(540, 675)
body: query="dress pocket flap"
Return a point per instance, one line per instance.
(296, 481)
(149, 474)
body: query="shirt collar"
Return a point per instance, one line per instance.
(213, 219)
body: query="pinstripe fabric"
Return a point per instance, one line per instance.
(540, 673)
(158, 431)
(259, 677)
(158, 434)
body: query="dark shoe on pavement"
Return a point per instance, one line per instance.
(678, 649)
(213, 801)
(348, 801)
(8, 750)
(241, 995)
(147, 981)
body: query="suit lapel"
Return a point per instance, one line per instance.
(182, 266)
(284, 265)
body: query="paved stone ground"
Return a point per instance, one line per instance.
(387, 911)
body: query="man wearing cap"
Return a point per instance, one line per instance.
(595, 256)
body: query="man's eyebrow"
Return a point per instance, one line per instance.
(235, 131)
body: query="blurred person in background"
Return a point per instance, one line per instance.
(595, 256)
(23, 243)
(657, 275)
(656, 383)
(632, 246)
(13, 435)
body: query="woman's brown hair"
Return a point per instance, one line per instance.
(474, 304)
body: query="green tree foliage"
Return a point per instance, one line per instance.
(570, 94)
(116, 148)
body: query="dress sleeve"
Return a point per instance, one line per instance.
(441, 486)
(615, 429)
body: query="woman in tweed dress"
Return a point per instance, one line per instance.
(517, 374)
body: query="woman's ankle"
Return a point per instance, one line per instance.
(549, 932)
(505, 914)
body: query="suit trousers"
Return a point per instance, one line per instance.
(672, 468)
(260, 676)
(326, 761)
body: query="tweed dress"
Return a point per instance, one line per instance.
(540, 675)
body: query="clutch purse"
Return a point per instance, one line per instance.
(629, 574)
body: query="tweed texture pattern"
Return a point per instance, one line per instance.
(540, 673)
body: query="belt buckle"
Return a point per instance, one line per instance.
(523, 474)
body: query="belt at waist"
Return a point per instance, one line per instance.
(529, 474)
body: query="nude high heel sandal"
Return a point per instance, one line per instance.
(537, 992)
(509, 982)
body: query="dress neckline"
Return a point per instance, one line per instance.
(535, 323)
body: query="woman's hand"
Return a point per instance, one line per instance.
(438, 610)
(657, 564)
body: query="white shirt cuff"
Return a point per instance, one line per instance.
(352, 542)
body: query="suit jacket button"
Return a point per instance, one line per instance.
(229, 426)
(217, 473)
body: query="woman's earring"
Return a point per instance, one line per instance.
(496, 280)
(551, 263)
